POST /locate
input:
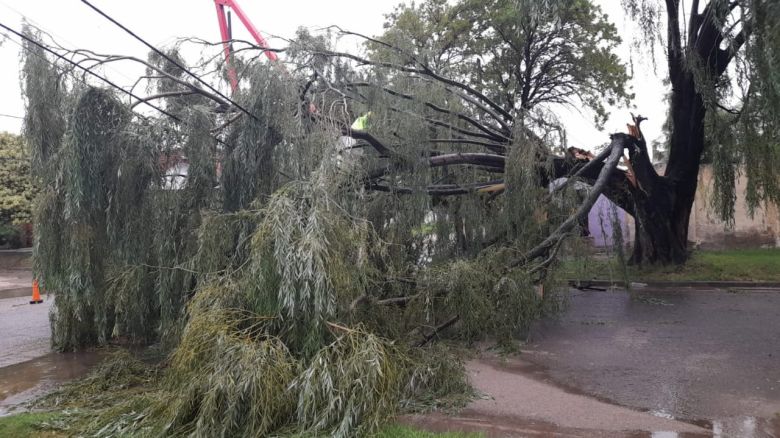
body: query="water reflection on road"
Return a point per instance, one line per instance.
(708, 357)
(741, 427)
(22, 382)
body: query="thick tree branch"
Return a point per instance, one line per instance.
(674, 45)
(639, 157)
(436, 189)
(370, 139)
(619, 142)
(492, 146)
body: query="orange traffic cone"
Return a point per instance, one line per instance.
(36, 296)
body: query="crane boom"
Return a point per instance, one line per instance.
(225, 31)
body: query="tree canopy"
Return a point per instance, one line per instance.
(523, 55)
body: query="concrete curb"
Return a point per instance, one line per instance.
(585, 284)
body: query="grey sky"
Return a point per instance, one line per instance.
(74, 25)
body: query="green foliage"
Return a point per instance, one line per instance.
(397, 431)
(227, 376)
(350, 386)
(525, 55)
(31, 425)
(110, 401)
(489, 303)
(46, 106)
(16, 186)
(437, 380)
(84, 315)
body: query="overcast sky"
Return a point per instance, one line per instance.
(75, 25)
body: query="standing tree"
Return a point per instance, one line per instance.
(486, 76)
(16, 188)
(525, 56)
(723, 59)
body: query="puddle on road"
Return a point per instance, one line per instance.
(742, 427)
(498, 426)
(22, 382)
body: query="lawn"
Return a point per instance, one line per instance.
(32, 425)
(29, 424)
(396, 431)
(731, 265)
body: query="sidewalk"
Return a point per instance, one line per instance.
(24, 327)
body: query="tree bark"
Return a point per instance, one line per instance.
(662, 213)
(660, 235)
(663, 204)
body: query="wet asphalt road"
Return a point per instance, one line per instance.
(24, 329)
(709, 355)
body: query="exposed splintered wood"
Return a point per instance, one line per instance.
(616, 147)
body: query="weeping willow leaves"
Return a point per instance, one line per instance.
(249, 169)
(228, 376)
(487, 301)
(258, 334)
(45, 105)
(233, 374)
(178, 212)
(83, 315)
(309, 259)
(349, 386)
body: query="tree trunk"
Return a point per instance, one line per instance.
(663, 204)
(660, 232)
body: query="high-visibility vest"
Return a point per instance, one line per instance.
(361, 123)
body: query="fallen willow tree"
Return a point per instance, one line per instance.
(301, 266)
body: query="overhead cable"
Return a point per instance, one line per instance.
(106, 80)
(169, 59)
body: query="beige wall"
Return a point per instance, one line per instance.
(706, 231)
(762, 229)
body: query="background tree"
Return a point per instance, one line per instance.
(526, 56)
(485, 77)
(17, 191)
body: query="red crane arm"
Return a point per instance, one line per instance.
(225, 33)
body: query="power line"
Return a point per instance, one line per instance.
(169, 59)
(10, 116)
(146, 102)
(44, 59)
(75, 64)
(51, 34)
